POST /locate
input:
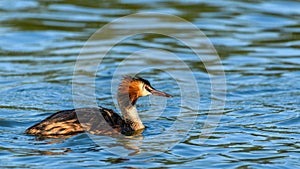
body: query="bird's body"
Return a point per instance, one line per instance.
(101, 121)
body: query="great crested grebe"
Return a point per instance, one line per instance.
(101, 120)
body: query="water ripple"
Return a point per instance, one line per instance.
(258, 42)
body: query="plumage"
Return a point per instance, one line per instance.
(101, 121)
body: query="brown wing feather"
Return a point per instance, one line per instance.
(68, 122)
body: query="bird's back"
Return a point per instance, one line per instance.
(68, 122)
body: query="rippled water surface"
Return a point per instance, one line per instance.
(259, 46)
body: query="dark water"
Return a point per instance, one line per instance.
(258, 43)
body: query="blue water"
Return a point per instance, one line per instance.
(258, 43)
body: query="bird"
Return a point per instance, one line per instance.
(100, 120)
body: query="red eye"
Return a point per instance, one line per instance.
(148, 88)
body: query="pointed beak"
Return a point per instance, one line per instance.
(159, 93)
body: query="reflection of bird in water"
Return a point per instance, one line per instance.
(100, 120)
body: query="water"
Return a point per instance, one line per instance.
(257, 41)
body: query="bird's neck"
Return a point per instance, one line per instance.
(129, 111)
(131, 118)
